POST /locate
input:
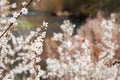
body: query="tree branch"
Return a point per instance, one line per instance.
(10, 25)
(118, 72)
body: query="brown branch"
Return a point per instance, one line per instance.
(10, 25)
(0, 48)
(118, 72)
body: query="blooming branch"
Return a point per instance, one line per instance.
(21, 13)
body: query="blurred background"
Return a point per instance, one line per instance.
(77, 11)
(72, 7)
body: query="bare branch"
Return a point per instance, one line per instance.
(118, 72)
(10, 25)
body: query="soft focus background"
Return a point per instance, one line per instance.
(73, 7)
(55, 11)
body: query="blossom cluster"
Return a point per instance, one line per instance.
(20, 55)
(78, 57)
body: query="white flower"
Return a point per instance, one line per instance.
(24, 10)
(38, 29)
(15, 14)
(32, 71)
(43, 34)
(45, 24)
(60, 49)
(41, 73)
(69, 44)
(14, 5)
(51, 61)
(67, 27)
(57, 37)
(12, 20)
(37, 47)
(38, 59)
(24, 3)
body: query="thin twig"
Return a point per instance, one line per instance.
(10, 25)
(117, 72)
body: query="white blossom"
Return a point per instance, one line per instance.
(24, 10)
(24, 3)
(15, 14)
(14, 5)
(57, 37)
(67, 27)
(12, 20)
